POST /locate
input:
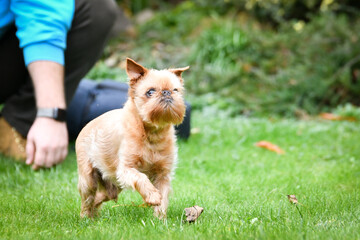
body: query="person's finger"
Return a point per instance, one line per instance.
(51, 157)
(64, 153)
(40, 157)
(57, 157)
(30, 152)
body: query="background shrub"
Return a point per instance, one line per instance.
(241, 64)
(284, 71)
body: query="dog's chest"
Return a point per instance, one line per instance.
(155, 158)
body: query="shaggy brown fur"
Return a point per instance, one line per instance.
(133, 147)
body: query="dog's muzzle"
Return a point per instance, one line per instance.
(166, 97)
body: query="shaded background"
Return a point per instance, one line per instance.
(287, 58)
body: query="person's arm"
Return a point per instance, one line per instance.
(42, 28)
(47, 139)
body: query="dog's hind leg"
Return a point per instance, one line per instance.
(106, 191)
(87, 185)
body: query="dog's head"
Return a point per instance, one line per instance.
(157, 94)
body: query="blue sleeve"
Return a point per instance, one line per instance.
(42, 27)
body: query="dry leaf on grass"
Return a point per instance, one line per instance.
(333, 117)
(270, 146)
(292, 199)
(192, 213)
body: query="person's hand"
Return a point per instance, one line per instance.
(47, 143)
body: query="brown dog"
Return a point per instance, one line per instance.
(133, 147)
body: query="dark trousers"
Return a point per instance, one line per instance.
(86, 39)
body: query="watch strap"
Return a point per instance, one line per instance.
(55, 113)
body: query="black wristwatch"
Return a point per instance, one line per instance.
(55, 113)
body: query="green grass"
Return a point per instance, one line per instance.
(243, 188)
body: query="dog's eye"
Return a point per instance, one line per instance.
(150, 92)
(175, 90)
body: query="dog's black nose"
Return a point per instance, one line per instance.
(166, 93)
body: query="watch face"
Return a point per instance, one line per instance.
(60, 115)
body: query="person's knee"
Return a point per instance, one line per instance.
(95, 16)
(107, 13)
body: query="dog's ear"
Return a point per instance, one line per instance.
(134, 70)
(179, 71)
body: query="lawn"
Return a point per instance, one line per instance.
(243, 188)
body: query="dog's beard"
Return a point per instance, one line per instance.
(165, 110)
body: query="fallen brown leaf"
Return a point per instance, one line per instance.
(292, 199)
(192, 213)
(270, 146)
(333, 117)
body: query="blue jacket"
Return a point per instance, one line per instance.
(42, 26)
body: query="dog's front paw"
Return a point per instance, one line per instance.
(160, 212)
(154, 198)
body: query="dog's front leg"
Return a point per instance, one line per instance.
(162, 183)
(132, 178)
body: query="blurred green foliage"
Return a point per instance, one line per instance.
(239, 63)
(275, 11)
(101, 72)
(282, 71)
(348, 110)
